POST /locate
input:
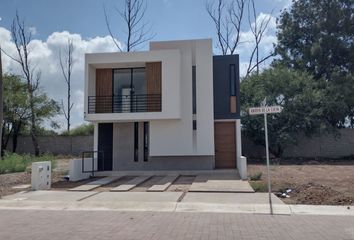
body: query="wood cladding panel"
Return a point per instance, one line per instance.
(225, 144)
(104, 84)
(233, 106)
(153, 78)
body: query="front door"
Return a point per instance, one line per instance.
(105, 146)
(225, 144)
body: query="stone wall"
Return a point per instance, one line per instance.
(321, 146)
(65, 145)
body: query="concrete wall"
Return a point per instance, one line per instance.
(66, 145)
(176, 137)
(325, 146)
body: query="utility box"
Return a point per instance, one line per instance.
(41, 175)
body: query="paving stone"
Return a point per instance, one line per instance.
(130, 184)
(95, 184)
(163, 184)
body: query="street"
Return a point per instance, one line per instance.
(60, 225)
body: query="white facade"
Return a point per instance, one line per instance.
(178, 138)
(171, 130)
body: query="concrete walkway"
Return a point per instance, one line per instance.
(220, 183)
(105, 225)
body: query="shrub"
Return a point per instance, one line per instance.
(256, 177)
(13, 162)
(259, 186)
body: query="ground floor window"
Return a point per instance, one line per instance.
(146, 141)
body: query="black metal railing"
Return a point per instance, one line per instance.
(93, 160)
(124, 103)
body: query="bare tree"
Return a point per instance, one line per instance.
(1, 101)
(138, 31)
(66, 65)
(227, 19)
(22, 37)
(258, 29)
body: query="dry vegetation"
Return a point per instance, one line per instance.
(328, 184)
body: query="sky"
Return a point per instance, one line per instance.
(52, 22)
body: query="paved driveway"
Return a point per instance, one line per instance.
(59, 225)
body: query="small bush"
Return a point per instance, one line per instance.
(13, 162)
(256, 177)
(259, 186)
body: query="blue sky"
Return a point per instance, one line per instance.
(171, 19)
(54, 21)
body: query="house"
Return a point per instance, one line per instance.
(174, 107)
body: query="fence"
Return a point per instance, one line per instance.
(325, 145)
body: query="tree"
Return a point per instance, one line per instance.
(1, 98)
(227, 19)
(317, 36)
(258, 28)
(137, 31)
(21, 37)
(16, 108)
(299, 95)
(66, 66)
(18, 113)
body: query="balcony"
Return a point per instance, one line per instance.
(131, 103)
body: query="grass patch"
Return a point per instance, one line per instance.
(256, 177)
(259, 186)
(13, 162)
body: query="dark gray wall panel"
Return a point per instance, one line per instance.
(221, 81)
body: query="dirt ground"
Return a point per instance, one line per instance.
(326, 184)
(8, 181)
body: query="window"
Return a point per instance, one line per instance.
(194, 89)
(136, 142)
(129, 88)
(232, 80)
(146, 141)
(233, 106)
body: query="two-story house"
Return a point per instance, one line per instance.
(174, 107)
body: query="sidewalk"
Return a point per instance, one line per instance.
(166, 206)
(105, 225)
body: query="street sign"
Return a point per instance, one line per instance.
(263, 110)
(266, 110)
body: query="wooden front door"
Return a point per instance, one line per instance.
(225, 144)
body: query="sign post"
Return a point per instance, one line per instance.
(267, 110)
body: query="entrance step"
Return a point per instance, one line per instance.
(220, 183)
(163, 184)
(95, 184)
(131, 184)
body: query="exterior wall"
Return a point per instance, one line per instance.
(123, 154)
(222, 94)
(175, 137)
(170, 80)
(123, 145)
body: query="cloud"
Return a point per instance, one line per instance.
(44, 55)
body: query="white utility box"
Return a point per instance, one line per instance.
(41, 175)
